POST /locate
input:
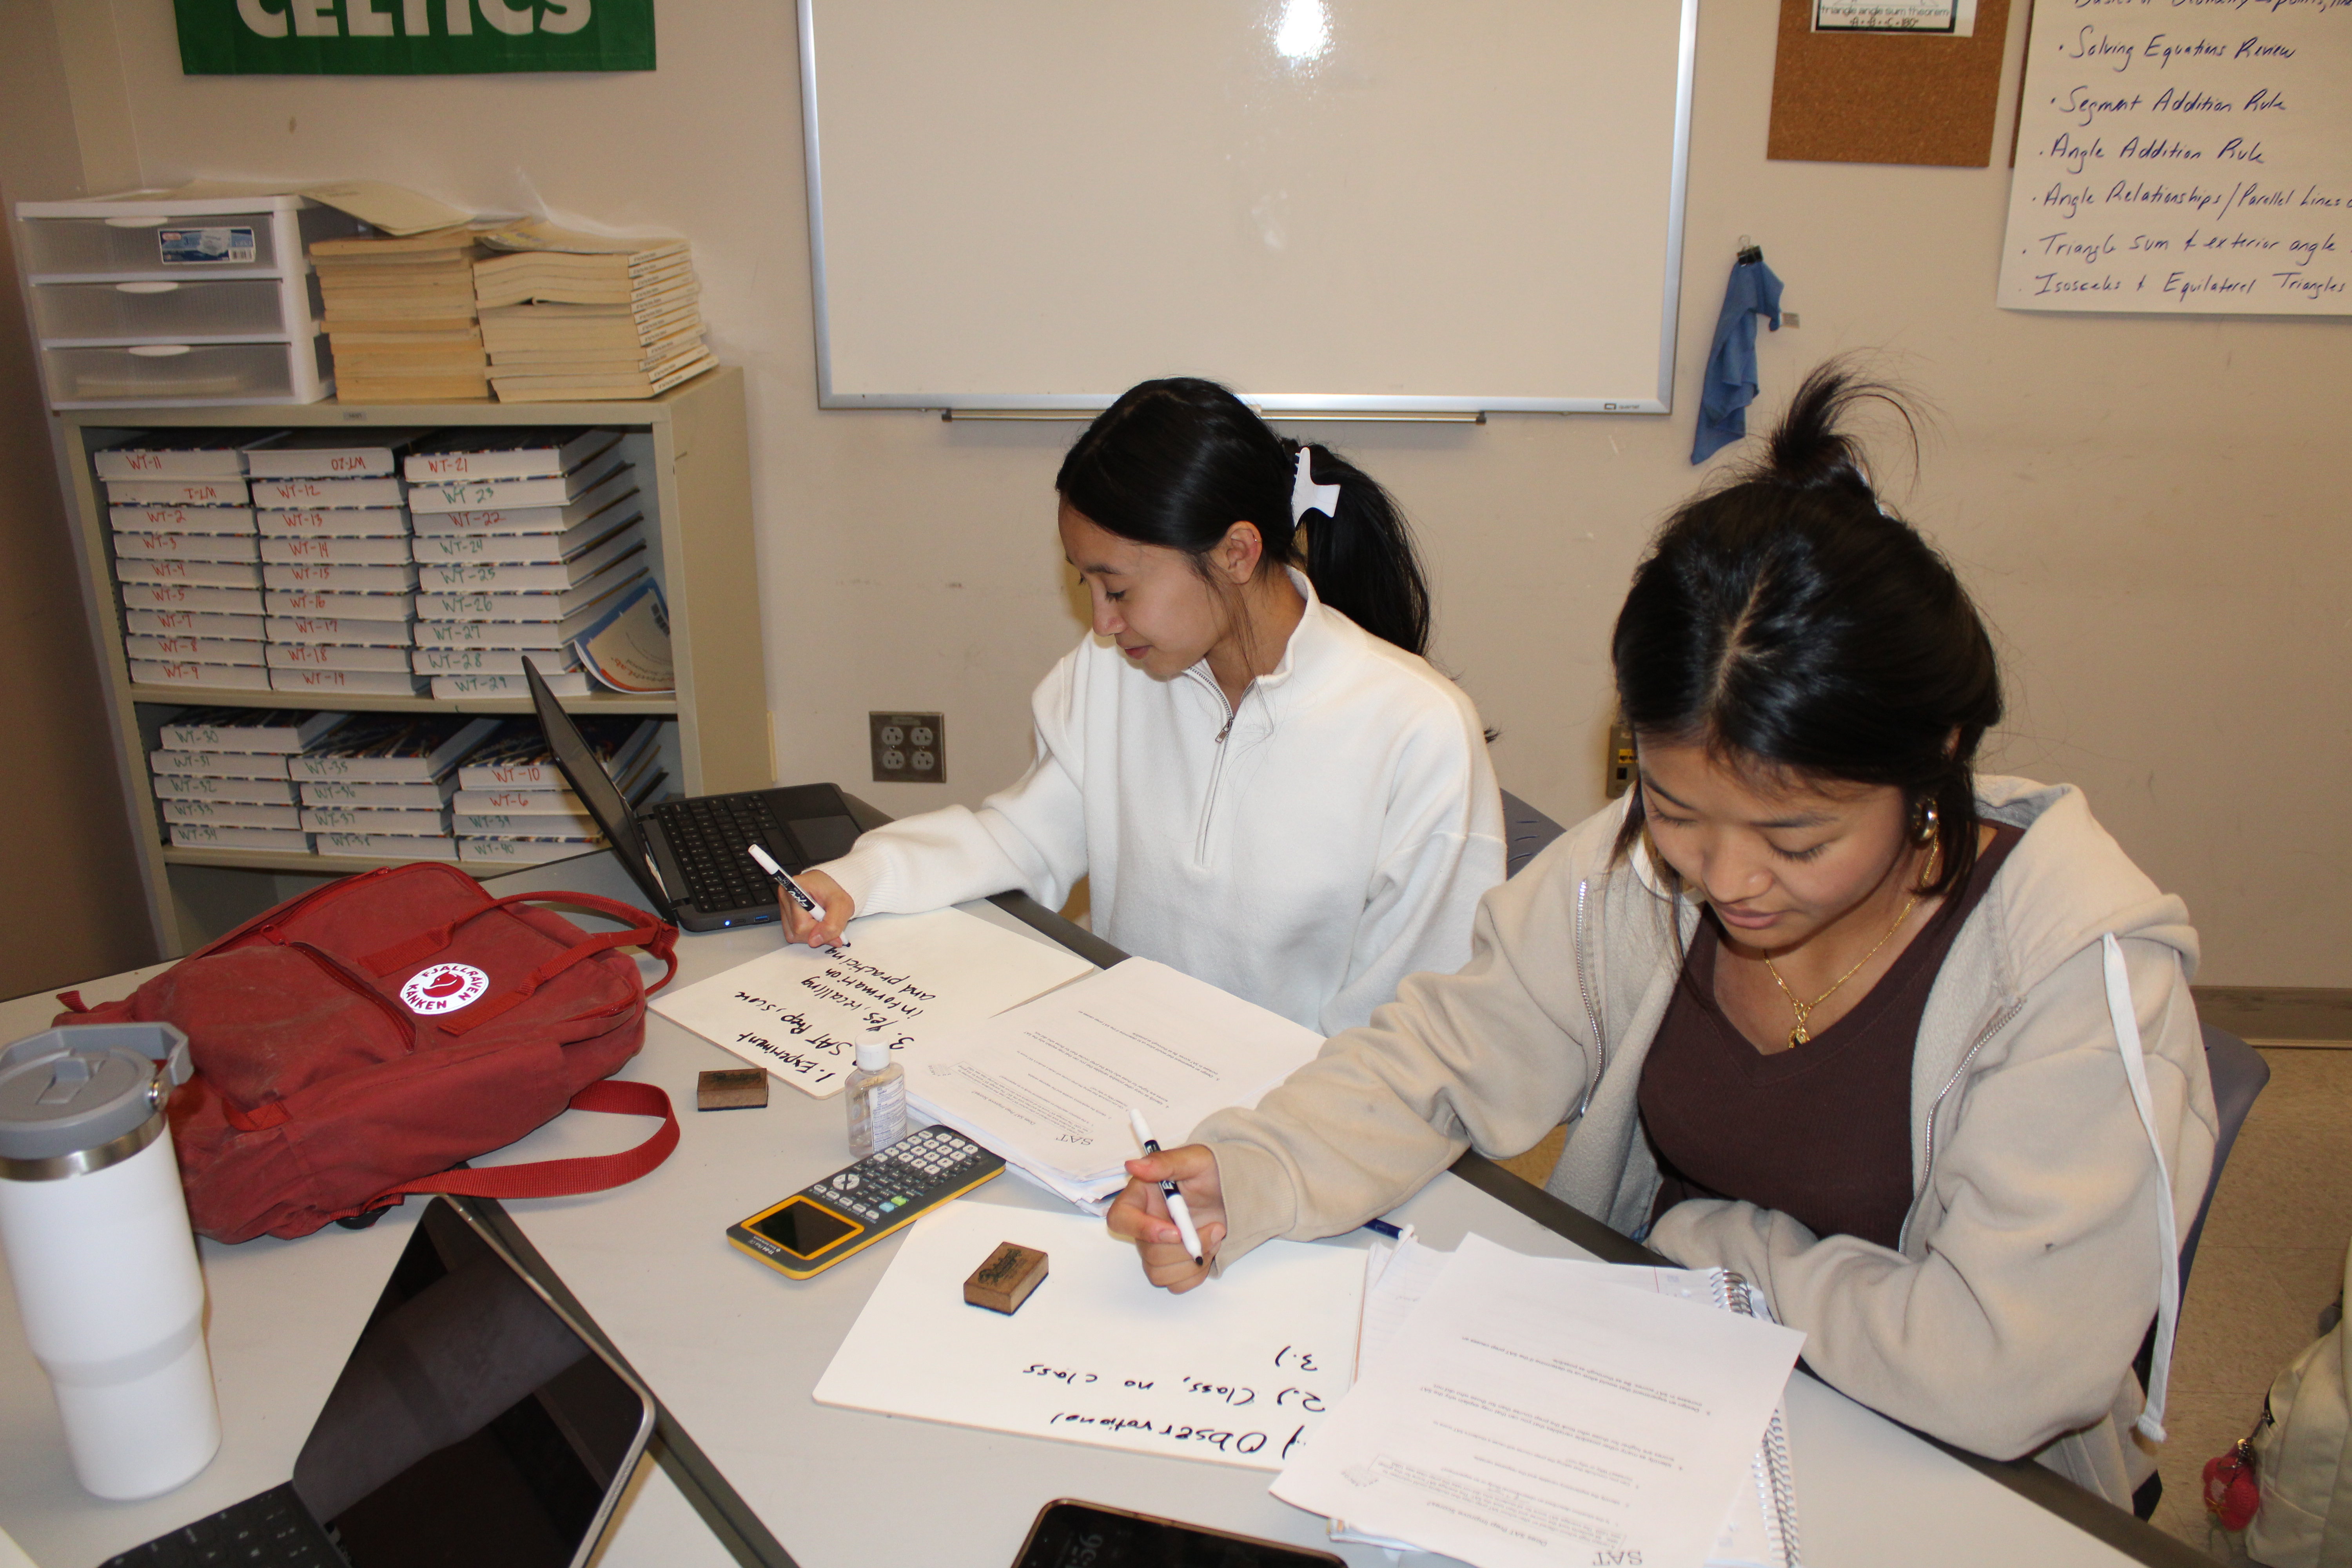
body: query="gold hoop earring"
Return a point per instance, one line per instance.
(1925, 823)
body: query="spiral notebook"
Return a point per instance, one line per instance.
(1759, 1530)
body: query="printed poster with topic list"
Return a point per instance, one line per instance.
(2184, 156)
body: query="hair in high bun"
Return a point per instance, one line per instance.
(1789, 620)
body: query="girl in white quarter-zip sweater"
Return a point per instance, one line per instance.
(1268, 786)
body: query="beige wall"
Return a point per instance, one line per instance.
(75, 905)
(2146, 507)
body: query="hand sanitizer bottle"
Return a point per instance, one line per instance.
(877, 1101)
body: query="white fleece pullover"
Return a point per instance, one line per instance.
(2030, 1263)
(1336, 839)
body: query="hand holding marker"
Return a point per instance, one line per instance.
(1177, 1209)
(783, 879)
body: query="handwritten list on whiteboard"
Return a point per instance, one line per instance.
(2184, 156)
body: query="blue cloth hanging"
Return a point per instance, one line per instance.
(1730, 383)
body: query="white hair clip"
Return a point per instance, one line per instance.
(1305, 495)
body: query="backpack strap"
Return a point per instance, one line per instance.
(2124, 1019)
(566, 1178)
(428, 942)
(658, 937)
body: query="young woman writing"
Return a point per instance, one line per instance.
(1818, 1002)
(1266, 784)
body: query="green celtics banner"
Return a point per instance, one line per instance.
(413, 37)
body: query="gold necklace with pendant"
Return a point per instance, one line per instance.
(1803, 1009)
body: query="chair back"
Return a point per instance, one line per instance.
(2239, 1073)
(1525, 831)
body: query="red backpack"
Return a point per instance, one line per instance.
(354, 1044)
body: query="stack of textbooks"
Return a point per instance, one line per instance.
(379, 785)
(524, 538)
(184, 560)
(567, 317)
(221, 777)
(336, 568)
(400, 317)
(513, 806)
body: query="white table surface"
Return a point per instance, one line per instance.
(733, 1350)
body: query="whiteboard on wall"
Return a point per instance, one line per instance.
(1352, 206)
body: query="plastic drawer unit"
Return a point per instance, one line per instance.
(178, 300)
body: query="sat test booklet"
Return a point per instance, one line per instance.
(1514, 1411)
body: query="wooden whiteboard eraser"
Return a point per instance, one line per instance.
(731, 1089)
(1005, 1281)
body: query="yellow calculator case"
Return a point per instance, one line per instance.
(859, 1204)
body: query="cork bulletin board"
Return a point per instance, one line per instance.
(1887, 97)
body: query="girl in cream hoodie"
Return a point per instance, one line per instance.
(1268, 786)
(1818, 1002)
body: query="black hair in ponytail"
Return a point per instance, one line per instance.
(1178, 462)
(1788, 619)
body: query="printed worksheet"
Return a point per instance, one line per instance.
(1519, 1414)
(912, 980)
(1048, 1085)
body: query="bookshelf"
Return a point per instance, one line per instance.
(692, 452)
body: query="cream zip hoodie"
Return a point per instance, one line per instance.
(1307, 850)
(2032, 1255)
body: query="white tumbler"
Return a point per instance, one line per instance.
(95, 1230)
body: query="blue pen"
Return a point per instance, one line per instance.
(1382, 1228)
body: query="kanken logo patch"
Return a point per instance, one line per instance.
(443, 988)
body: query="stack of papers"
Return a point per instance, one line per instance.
(400, 317)
(1048, 1085)
(567, 316)
(1511, 1411)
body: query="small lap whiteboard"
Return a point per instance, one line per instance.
(1235, 1372)
(1326, 205)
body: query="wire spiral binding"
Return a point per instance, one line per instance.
(1780, 1518)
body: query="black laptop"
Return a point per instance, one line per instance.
(688, 855)
(475, 1425)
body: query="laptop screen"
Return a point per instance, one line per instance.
(471, 1426)
(594, 786)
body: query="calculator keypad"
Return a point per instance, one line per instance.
(910, 1175)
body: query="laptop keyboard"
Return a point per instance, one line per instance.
(707, 833)
(273, 1529)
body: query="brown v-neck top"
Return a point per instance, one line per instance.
(1820, 1133)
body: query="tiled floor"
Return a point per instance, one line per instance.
(2272, 1259)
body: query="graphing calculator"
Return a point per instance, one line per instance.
(859, 1204)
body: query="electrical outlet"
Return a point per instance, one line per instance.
(909, 748)
(1619, 777)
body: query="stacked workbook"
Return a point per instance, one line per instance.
(336, 566)
(567, 316)
(400, 317)
(513, 805)
(379, 785)
(184, 560)
(221, 777)
(524, 539)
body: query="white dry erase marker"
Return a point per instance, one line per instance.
(1177, 1209)
(783, 879)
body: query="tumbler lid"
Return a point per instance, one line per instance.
(82, 1086)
